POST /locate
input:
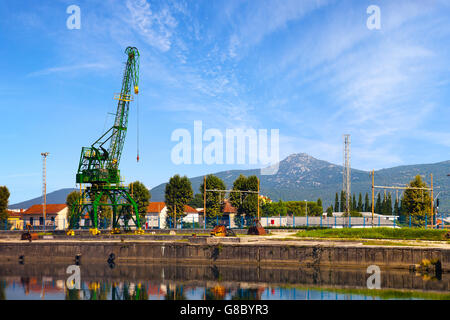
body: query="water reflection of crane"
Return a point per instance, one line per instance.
(129, 291)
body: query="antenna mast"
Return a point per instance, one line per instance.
(346, 183)
(44, 184)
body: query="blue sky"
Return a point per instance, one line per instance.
(311, 69)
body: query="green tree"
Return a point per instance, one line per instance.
(280, 208)
(141, 195)
(378, 204)
(236, 198)
(389, 204)
(4, 201)
(297, 208)
(214, 200)
(250, 203)
(367, 204)
(396, 207)
(417, 203)
(197, 201)
(354, 205)
(271, 209)
(343, 202)
(360, 207)
(177, 194)
(319, 204)
(336, 203)
(330, 211)
(104, 212)
(72, 200)
(246, 203)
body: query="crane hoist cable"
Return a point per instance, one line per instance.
(137, 142)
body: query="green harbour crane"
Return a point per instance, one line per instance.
(98, 171)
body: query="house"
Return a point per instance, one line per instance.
(229, 212)
(15, 219)
(56, 216)
(192, 215)
(157, 213)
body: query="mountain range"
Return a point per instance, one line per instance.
(303, 177)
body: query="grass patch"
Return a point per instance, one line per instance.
(376, 233)
(295, 228)
(381, 293)
(394, 294)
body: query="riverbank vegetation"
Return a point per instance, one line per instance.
(378, 233)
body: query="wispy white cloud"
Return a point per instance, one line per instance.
(254, 23)
(377, 85)
(157, 27)
(64, 69)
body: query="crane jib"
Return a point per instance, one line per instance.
(110, 159)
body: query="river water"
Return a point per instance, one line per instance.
(211, 282)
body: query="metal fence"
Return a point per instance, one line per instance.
(40, 224)
(238, 222)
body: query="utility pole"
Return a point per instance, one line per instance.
(258, 199)
(373, 194)
(432, 203)
(44, 184)
(204, 202)
(346, 181)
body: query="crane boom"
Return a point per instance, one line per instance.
(131, 75)
(98, 165)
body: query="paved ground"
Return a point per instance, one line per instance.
(287, 238)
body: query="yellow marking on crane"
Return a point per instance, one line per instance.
(123, 97)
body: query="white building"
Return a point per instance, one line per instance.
(56, 216)
(157, 214)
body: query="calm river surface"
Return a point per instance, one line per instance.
(198, 282)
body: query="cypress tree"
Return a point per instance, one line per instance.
(389, 204)
(319, 204)
(378, 204)
(396, 207)
(336, 203)
(354, 206)
(367, 204)
(383, 204)
(343, 202)
(360, 203)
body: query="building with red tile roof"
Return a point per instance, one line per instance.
(56, 216)
(157, 214)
